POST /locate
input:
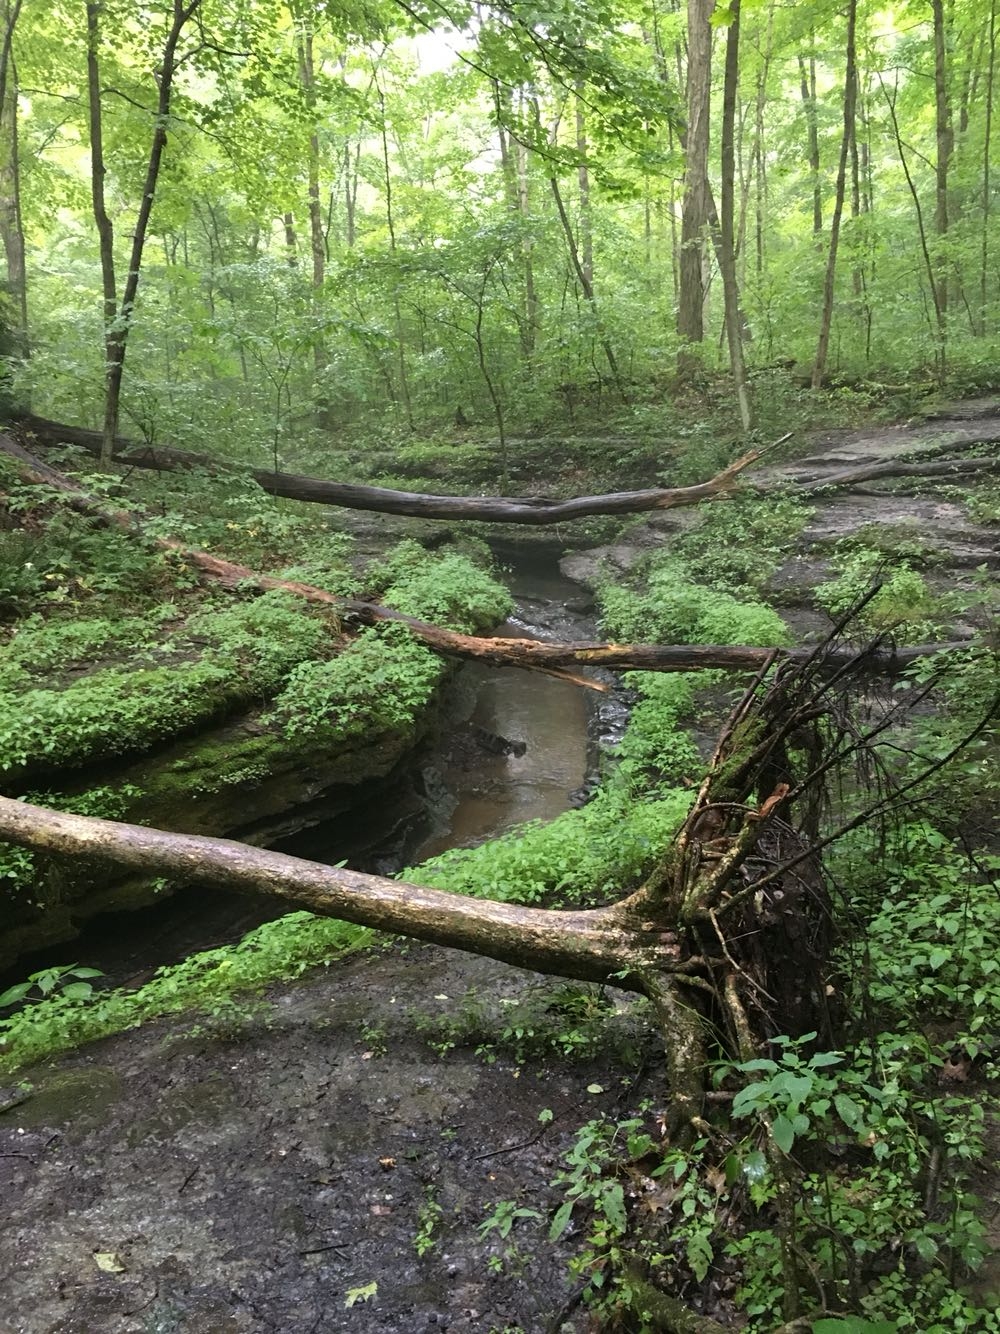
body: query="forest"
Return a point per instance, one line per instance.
(499, 775)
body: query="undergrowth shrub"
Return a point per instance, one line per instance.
(582, 856)
(903, 607)
(673, 610)
(379, 683)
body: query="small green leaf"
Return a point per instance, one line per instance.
(78, 990)
(700, 1255)
(614, 1208)
(595, 1088)
(847, 1109)
(16, 993)
(560, 1222)
(823, 1058)
(362, 1294)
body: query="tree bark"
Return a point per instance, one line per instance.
(531, 511)
(317, 238)
(807, 79)
(987, 195)
(592, 945)
(695, 206)
(118, 319)
(850, 102)
(945, 145)
(587, 287)
(11, 226)
(727, 237)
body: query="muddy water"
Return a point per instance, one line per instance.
(512, 746)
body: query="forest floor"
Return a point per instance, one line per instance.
(253, 1173)
(312, 1163)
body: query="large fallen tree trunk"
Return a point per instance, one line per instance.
(530, 510)
(531, 654)
(534, 511)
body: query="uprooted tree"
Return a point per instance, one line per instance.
(729, 936)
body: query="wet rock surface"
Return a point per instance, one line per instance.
(927, 512)
(255, 1173)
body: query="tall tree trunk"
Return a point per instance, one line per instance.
(726, 229)
(351, 193)
(531, 305)
(517, 197)
(940, 320)
(695, 207)
(404, 383)
(583, 186)
(317, 238)
(118, 319)
(586, 287)
(850, 103)
(807, 81)
(11, 227)
(759, 156)
(291, 239)
(987, 178)
(945, 145)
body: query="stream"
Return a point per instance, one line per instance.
(508, 746)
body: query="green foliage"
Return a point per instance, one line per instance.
(674, 610)
(947, 909)
(581, 856)
(71, 980)
(379, 683)
(737, 545)
(657, 752)
(446, 588)
(229, 656)
(903, 607)
(572, 1022)
(113, 712)
(206, 982)
(429, 1218)
(21, 580)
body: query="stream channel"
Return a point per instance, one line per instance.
(506, 746)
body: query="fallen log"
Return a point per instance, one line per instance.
(525, 510)
(590, 944)
(556, 659)
(532, 511)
